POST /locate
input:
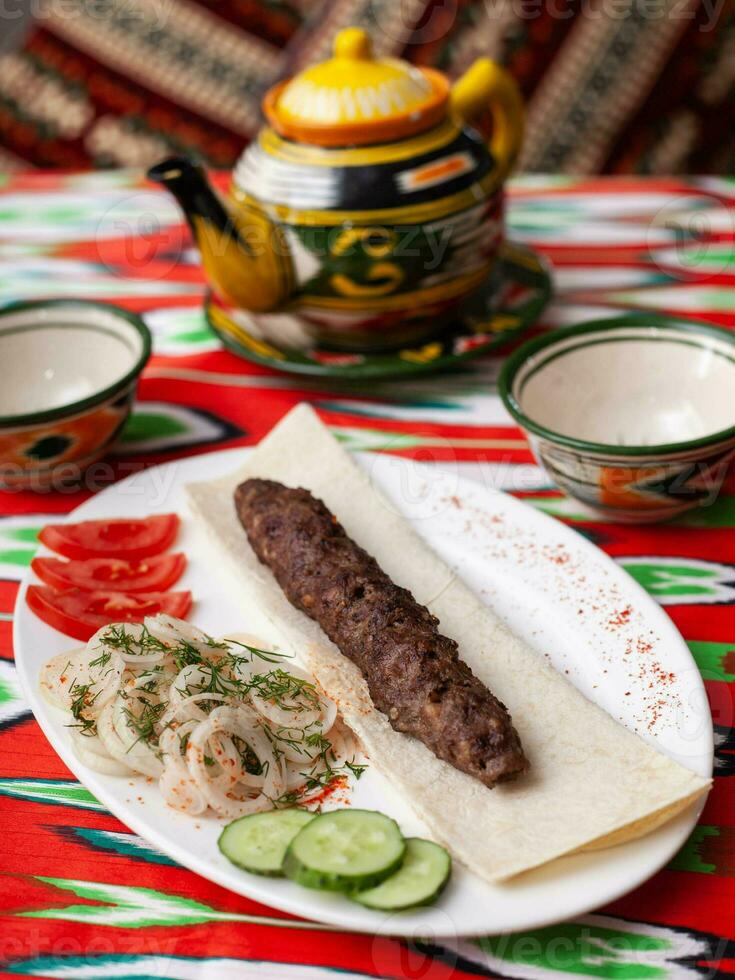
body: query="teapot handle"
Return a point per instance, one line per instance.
(488, 98)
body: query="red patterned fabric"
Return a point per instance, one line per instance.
(612, 85)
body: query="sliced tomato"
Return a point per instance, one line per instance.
(130, 537)
(154, 574)
(81, 614)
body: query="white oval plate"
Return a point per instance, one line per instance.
(564, 596)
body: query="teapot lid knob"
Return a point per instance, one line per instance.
(353, 42)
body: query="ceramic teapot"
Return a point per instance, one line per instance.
(368, 208)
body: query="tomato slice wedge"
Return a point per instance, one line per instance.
(129, 537)
(155, 574)
(81, 614)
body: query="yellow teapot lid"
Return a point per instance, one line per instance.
(356, 98)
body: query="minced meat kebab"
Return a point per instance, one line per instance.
(414, 674)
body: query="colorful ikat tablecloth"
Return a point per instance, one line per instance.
(82, 897)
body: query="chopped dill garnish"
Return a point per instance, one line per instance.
(249, 759)
(82, 699)
(322, 772)
(146, 720)
(357, 769)
(104, 658)
(185, 654)
(116, 637)
(268, 655)
(279, 688)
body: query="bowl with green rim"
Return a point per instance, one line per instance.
(634, 415)
(70, 370)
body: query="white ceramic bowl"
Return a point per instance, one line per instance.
(69, 371)
(635, 415)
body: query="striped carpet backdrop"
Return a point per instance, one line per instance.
(82, 897)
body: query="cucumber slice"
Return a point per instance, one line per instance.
(345, 850)
(258, 841)
(419, 880)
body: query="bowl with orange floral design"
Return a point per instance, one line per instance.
(70, 370)
(634, 415)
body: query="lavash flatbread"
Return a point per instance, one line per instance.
(592, 783)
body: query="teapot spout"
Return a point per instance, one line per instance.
(245, 258)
